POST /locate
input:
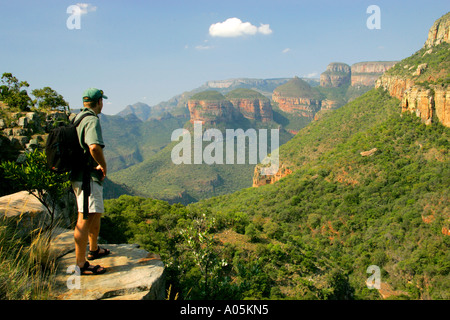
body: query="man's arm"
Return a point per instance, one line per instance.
(97, 153)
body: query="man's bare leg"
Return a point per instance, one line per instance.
(81, 234)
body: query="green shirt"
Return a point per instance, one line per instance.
(89, 132)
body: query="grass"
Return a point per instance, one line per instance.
(25, 270)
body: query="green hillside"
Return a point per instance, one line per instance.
(242, 93)
(208, 95)
(158, 177)
(313, 234)
(297, 87)
(130, 140)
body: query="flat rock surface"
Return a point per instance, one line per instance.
(132, 274)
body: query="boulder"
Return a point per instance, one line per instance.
(132, 274)
(31, 214)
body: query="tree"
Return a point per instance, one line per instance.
(199, 245)
(13, 94)
(34, 176)
(49, 99)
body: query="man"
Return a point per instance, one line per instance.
(88, 227)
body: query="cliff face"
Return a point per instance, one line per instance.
(248, 103)
(304, 107)
(261, 180)
(420, 80)
(362, 73)
(439, 32)
(254, 109)
(296, 96)
(337, 74)
(367, 73)
(208, 111)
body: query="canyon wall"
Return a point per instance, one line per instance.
(210, 111)
(241, 102)
(420, 80)
(254, 109)
(337, 74)
(367, 73)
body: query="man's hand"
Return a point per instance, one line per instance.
(97, 153)
(99, 167)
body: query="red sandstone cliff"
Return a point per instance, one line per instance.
(254, 109)
(210, 111)
(297, 96)
(406, 81)
(367, 73)
(337, 74)
(304, 107)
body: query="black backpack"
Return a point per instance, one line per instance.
(63, 149)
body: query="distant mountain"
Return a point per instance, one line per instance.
(139, 109)
(177, 105)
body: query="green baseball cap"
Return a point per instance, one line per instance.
(93, 94)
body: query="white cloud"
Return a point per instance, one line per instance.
(286, 50)
(312, 75)
(234, 27)
(86, 7)
(264, 29)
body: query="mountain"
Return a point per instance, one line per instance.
(232, 104)
(129, 140)
(141, 110)
(178, 103)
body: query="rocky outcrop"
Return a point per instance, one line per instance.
(367, 73)
(336, 75)
(261, 180)
(304, 107)
(340, 74)
(254, 109)
(439, 32)
(210, 111)
(251, 104)
(30, 213)
(132, 273)
(430, 100)
(428, 103)
(296, 96)
(212, 107)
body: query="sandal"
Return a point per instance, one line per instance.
(96, 254)
(88, 269)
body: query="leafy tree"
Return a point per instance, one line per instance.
(34, 176)
(49, 99)
(12, 92)
(199, 244)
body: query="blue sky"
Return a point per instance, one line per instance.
(149, 51)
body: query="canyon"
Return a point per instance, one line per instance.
(212, 107)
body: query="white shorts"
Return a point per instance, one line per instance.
(95, 199)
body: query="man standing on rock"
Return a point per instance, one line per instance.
(88, 226)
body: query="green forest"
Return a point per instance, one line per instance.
(313, 234)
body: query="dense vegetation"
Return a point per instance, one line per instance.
(297, 88)
(242, 93)
(437, 61)
(313, 234)
(208, 95)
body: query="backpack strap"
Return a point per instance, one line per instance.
(78, 121)
(86, 185)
